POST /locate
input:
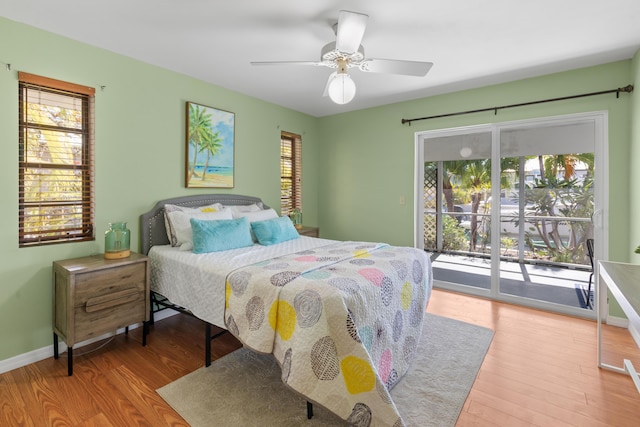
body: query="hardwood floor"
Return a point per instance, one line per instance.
(541, 368)
(540, 371)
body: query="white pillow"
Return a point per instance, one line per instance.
(168, 208)
(181, 225)
(253, 216)
(237, 209)
(260, 215)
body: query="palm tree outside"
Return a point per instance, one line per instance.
(556, 199)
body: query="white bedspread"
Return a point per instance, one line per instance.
(197, 282)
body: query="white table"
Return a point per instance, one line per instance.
(623, 281)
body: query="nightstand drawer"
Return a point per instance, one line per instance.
(109, 281)
(112, 300)
(108, 299)
(119, 314)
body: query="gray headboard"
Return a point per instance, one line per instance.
(152, 230)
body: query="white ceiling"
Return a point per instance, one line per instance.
(472, 43)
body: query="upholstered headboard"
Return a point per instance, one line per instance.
(152, 229)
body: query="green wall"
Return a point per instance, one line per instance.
(140, 159)
(369, 154)
(634, 159)
(357, 165)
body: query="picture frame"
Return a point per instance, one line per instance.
(210, 147)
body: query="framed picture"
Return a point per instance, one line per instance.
(210, 147)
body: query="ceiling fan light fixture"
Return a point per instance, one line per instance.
(346, 52)
(341, 89)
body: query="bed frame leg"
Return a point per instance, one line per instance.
(207, 344)
(309, 410)
(153, 304)
(145, 332)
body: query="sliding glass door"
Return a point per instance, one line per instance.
(506, 209)
(457, 217)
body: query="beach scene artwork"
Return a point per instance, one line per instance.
(210, 147)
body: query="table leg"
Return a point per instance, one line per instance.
(70, 361)
(55, 346)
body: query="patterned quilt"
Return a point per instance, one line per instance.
(342, 320)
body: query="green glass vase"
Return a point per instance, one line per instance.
(117, 241)
(296, 217)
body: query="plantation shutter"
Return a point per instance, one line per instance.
(56, 161)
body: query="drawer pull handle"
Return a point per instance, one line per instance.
(111, 300)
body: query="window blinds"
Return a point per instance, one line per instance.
(290, 173)
(55, 161)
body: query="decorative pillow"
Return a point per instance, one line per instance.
(237, 209)
(260, 215)
(169, 208)
(181, 234)
(252, 216)
(220, 235)
(274, 231)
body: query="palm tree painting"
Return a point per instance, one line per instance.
(210, 147)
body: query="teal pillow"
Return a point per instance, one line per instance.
(274, 231)
(220, 235)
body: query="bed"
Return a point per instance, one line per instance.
(342, 319)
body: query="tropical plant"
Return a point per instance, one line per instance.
(553, 165)
(559, 194)
(453, 236)
(474, 177)
(453, 169)
(507, 244)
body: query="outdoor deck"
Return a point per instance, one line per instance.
(541, 282)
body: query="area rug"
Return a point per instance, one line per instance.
(244, 388)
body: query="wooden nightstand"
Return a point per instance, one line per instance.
(309, 231)
(94, 295)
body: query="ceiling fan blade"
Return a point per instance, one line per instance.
(315, 63)
(392, 66)
(351, 26)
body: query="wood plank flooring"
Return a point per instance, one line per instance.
(540, 371)
(541, 368)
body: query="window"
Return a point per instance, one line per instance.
(290, 172)
(55, 187)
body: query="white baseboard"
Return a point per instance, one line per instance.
(620, 322)
(635, 334)
(46, 352)
(624, 323)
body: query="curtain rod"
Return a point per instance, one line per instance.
(627, 89)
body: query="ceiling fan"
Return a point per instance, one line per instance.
(346, 52)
